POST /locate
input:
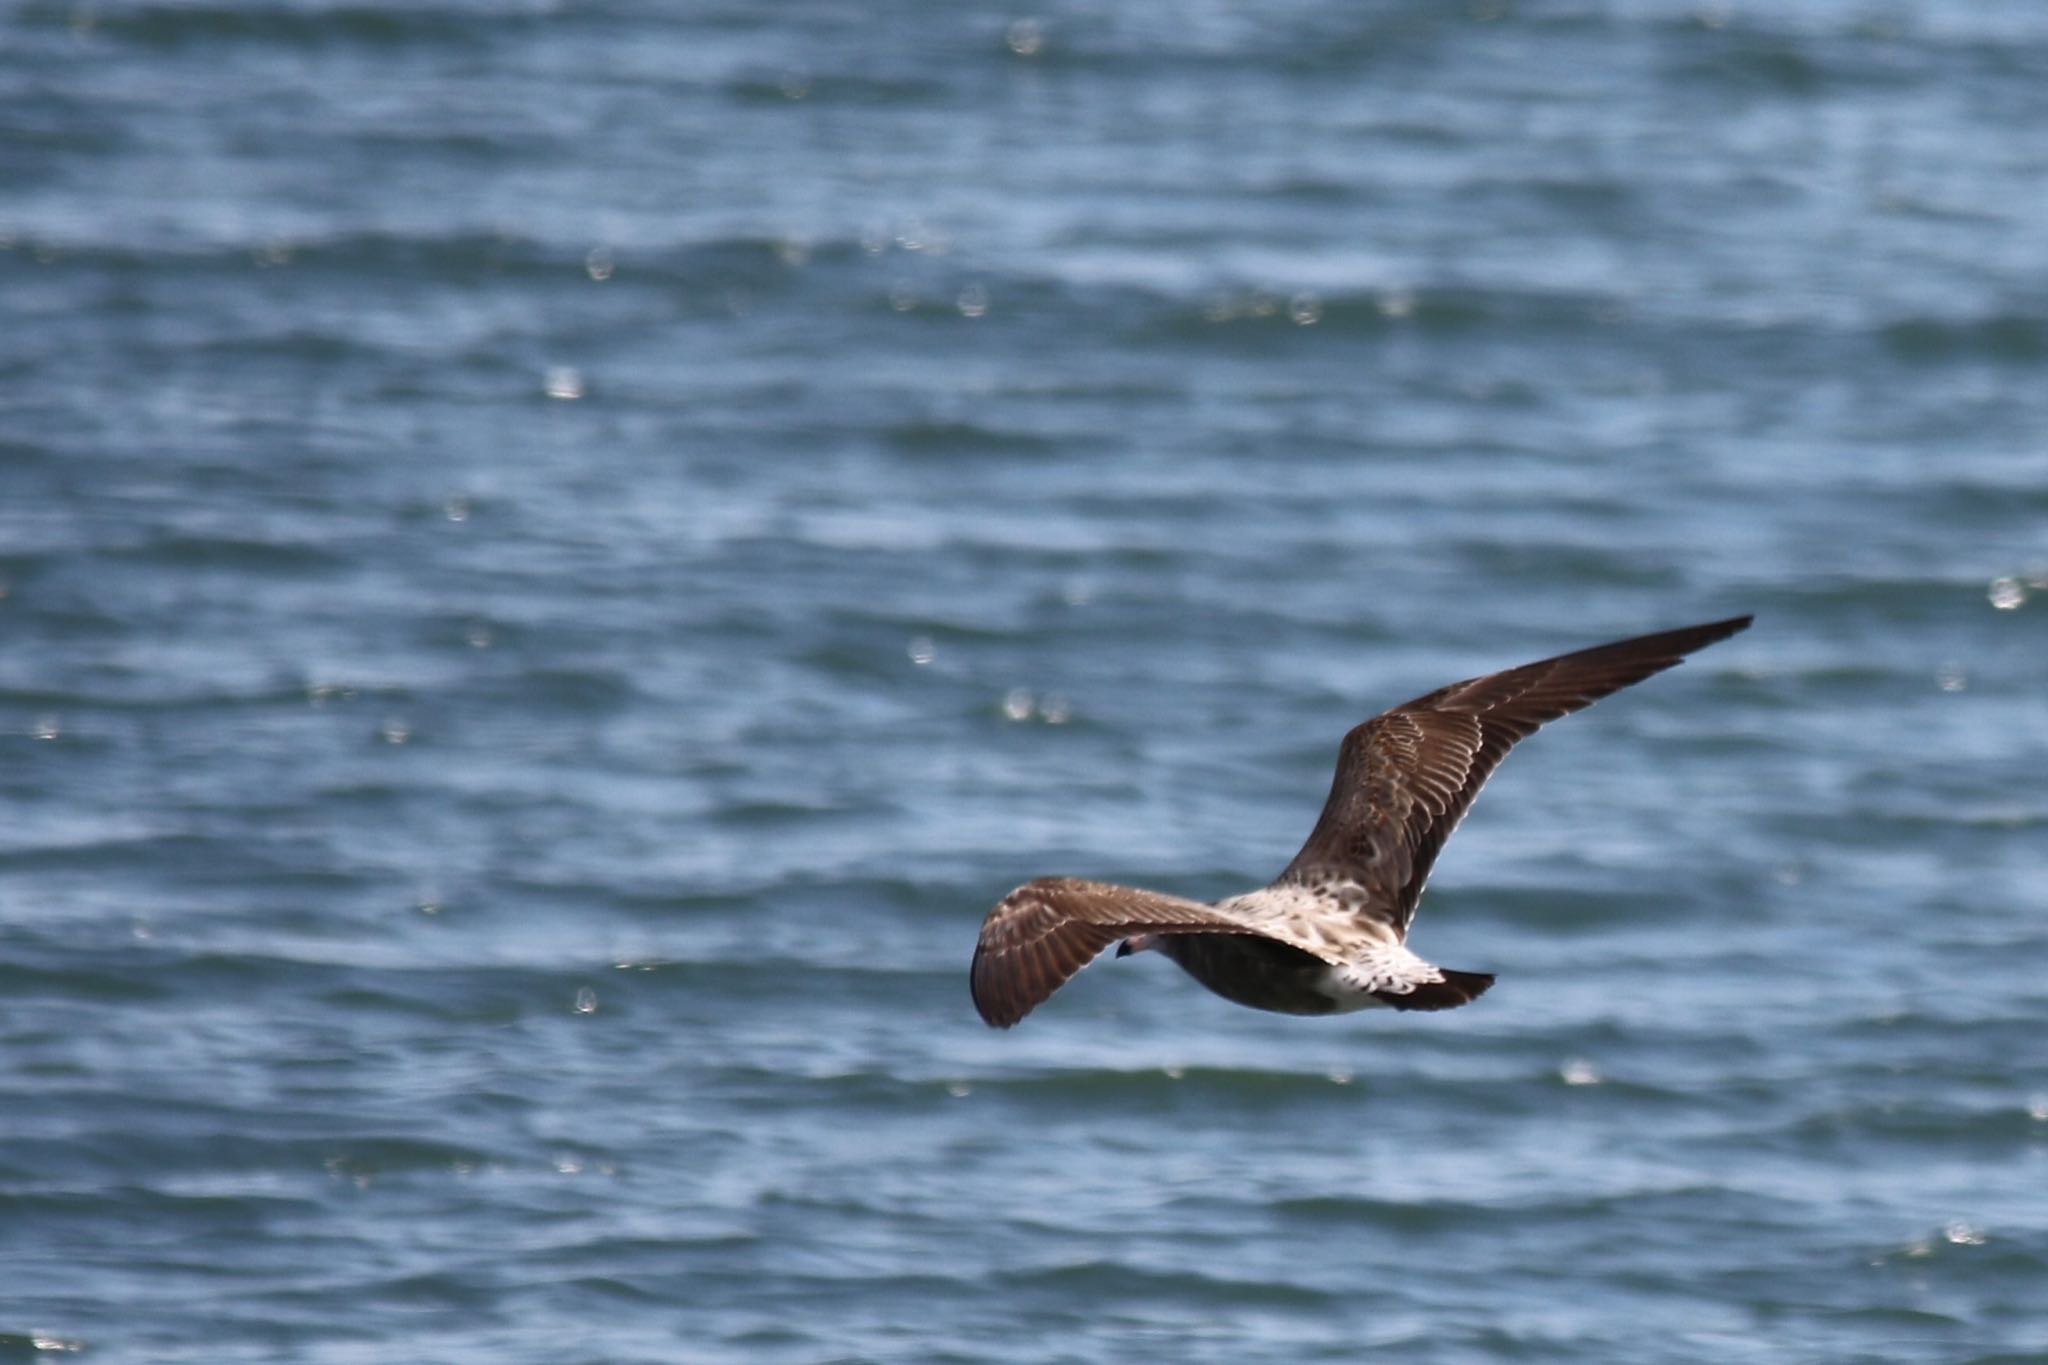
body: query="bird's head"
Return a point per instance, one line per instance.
(1136, 943)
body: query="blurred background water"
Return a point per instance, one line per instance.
(555, 559)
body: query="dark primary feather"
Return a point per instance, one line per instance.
(1046, 930)
(1406, 777)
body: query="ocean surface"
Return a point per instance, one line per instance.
(555, 559)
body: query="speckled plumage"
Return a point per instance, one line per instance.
(1330, 933)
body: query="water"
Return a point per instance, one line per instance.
(554, 560)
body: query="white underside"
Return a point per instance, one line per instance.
(1338, 985)
(1390, 971)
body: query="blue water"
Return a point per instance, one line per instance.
(556, 559)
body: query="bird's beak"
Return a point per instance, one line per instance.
(1137, 943)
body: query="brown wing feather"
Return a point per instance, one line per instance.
(1046, 930)
(1406, 777)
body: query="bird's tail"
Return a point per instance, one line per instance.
(1457, 988)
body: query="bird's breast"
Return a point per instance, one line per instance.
(1264, 974)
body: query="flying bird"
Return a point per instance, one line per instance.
(1329, 935)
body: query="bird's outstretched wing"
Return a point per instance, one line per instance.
(1039, 935)
(1406, 777)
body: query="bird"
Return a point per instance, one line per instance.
(1329, 934)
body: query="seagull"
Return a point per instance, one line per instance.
(1329, 935)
